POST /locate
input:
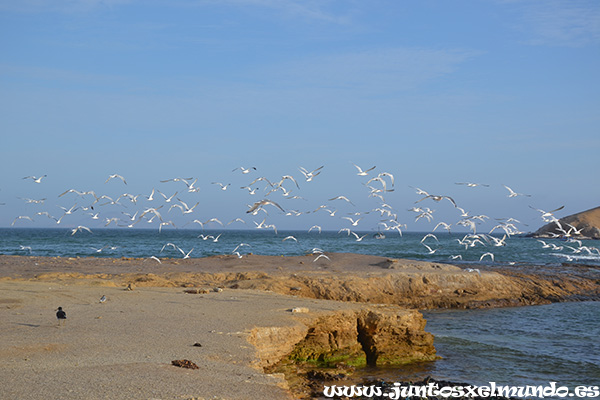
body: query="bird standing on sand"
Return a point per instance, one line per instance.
(60, 315)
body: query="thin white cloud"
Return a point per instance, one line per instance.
(370, 71)
(565, 23)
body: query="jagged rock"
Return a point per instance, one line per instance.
(392, 338)
(369, 336)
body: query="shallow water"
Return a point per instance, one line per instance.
(517, 346)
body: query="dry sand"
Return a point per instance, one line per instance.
(123, 348)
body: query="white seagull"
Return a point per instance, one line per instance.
(487, 254)
(223, 187)
(341, 198)
(80, 228)
(512, 193)
(21, 217)
(322, 256)
(260, 204)
(115, 176)
(310, 175)
(358, 238)
(361, 172)
(431, 251)
(353, 222)
(317, 227)
(244, 170)
(35, 179)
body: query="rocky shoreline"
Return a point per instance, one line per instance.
(379, 324)
(347, 277)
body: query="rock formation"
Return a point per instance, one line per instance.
(371, 335)
(583, 225)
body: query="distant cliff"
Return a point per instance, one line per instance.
(583, 225)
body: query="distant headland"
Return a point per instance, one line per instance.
(583, 225)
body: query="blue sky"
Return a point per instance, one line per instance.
(434, 92)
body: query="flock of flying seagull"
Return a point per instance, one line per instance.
(377, 184)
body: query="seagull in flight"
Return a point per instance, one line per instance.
(322, 256)
(353, 222)
(185, 255)
(341, 198)
(21, 217)
(491, 255)
(361, 172)
(358, 238)
(310, 175)
(100, 249)
(250, 190)
(261, 203)
(187, 210)
(512, 193)
(431, 251)
(185, 180)
(169, 244)
(240, 245)
(443, 225)
(116, 176)
(429, 235)
(317, 227)
(223, 187)
(548, 216)
(167, 199)
(80, 228)
(214, 220)
(244, 170)
(35, 179)
(438, 198)
(33, 201)
(471, 184)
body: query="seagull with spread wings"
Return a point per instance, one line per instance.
(115, 176)
(361, 172)
(36, 179)
(261, 203)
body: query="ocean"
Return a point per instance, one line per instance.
(530, 345)
(60, 242)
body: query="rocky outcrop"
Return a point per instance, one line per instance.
(384, 335)
(583, 225)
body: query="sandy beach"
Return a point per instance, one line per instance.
(123, 348)
(241, 318)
